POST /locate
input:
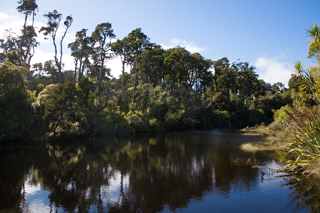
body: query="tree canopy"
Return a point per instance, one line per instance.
(165, 89)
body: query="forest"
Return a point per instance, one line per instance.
(165, 90)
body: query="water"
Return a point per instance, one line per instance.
(195, 171)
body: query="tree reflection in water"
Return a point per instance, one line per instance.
(127, 174)
(305, 193)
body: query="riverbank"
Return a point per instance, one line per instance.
(267, 139)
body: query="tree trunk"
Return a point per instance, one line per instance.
(123, 62)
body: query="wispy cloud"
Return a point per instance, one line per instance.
(41, 57)
(15, 24)
(271, 70)
(10, 22)
(189, 45)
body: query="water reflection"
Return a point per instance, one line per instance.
(305, 193)
(148, 173)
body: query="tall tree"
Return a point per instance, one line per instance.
(151, 64)
(199, 72)
(119, 48)
(245, 81)
(137, 43)
(54, 19)
(27, 41)
(81, 48)
(176, 60)
(103, 35)
(218, 65)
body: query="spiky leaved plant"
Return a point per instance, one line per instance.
(304, 147)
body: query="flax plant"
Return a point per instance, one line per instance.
(304, 147)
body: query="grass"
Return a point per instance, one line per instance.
(299, 139)
(258, 146)
(268, 139)
(256, 131)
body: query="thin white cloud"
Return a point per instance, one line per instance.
(272, 71)
(15, 24)
(9, 22)
(283, 55)
(189, 45)
(41, 57)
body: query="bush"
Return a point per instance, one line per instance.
(304, 146)
(137, 121)
(280, 116)
(16, 112)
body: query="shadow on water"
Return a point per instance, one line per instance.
(143, 173)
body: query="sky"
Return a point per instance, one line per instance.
(269, 35)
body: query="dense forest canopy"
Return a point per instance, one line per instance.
(169, 89)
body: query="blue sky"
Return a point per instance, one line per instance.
(270, 35)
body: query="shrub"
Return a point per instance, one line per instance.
(304, 146)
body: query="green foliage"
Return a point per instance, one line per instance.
(102, 32)
(314, 44)
(40, 88)
(12, 83)
(7, 44)
(54, 19)
(270, 102)
(158, 111)
(222, 118)
(84, 88)
(309, 79)
(281, 115)
(16, 113)
(294, 82)
(174, 121)
(221, 101)
(13, 57)
(16, 120)
(137, 121)
(304, 147)
(60, 104)
(165, 89)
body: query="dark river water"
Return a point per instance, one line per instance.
(195, 171)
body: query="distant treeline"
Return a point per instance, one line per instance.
(165, 90)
